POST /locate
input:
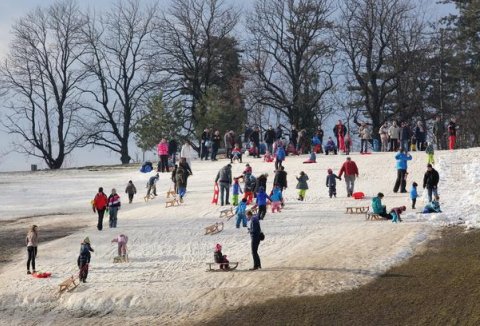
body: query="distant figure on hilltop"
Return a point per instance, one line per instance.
(32, 244)
(452, 133)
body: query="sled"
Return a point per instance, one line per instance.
(215, 194)
(357, 210)
(214, 228)
(366, 153)
(172, 203)
(228, 213)
(172, 193)
(232, 266)
(149, 197)
(120, 259)
(374, 217)
(358, 195)
(68, 285)
(42, 275)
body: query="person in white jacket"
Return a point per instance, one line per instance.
(188, 153)
(394, 133)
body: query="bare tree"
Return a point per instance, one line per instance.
(291, 57)
(382, 40)
(190, 37)
(121, 76)
(40, 76)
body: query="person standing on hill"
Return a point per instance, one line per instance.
(224, 179)
(366, 136)
(188, 153)
(255, 235)
(405, 136)
(294, 137)
(350, 169)
(439, 132)
(302, 185)
(255, 139)
(384, 136)
(162, 150)
(32, 244)
(181, 182)
(280, 178)
(216, 140)
(99, 205)
(394, 134)
(402, 157)
(269, 138)
(229, 141)
(113, 207)
(421, 136)
(130, 190)
(205, 144)
(172, 150)
(84, 259)
(430, 181)
(278, 132)
(340, 131)
(452, 133)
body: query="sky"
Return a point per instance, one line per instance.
(11, 10)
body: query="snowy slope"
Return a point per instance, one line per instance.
(310, 247)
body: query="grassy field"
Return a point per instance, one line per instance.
(440, 286)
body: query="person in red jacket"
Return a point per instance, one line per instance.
(99, 204)
(351, 171)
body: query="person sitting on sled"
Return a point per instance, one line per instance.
(84, 259)
(268, 157)
(236, 154)
(330, 146)
(433, 206)
(220, 258)
(121, 240)
(312, 158)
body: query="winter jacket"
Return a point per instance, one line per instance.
(405, 133)
(293, 136)
(122, 239)
(349, 168)
(281, 154)
(262, 198)
(394, 132)
(377, 206)
(330, 146)
(420, 134)
(241, 208)
(269, 136)
(339, 129)
(452, 128)
(278, 133)
(331, 180)
(316, 141)
(187, 152)
(186, 168)
(224, 175)
(250, 183)
(32, 239)
(162, 148)
(429, 149)
(302, 182)
(319, 134)
(114, 201)
(365, 132)
(262, 182)
(276, 195)
(84, 256)
(438, 128)
(255, 229)
(218, 257)
(153, 180)
(431, 179)
(180, 178)
(172, 147)
(205, 136)
(216, 139)
(402, 159)
(280, 179)
(130, 189)
(413, 193)
(236, 189)
(255, 137)
(100, 201)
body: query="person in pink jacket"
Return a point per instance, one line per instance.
(162, 150)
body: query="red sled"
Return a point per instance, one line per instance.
(366, 153)
(358, 195)
(42, 275)
(215, 194)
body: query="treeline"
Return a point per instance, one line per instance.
(75, 78)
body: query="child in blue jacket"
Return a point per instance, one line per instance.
(277, 199)
(236, 190)
(241, 213)
(414, 194)
(262, 202)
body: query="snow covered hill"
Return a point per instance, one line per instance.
(311, 247)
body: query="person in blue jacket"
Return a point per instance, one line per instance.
(262, 202)
(402, 158)
(255, 235)
(280, 157)
(414, 194)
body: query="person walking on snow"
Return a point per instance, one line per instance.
(152, 184)
(241, 213)
(350, 169)
(340, 131)
(224, 179)
(430, 181)
(402, 158)
(394, 134)
(99, 204)
(332, 183)
(162, 150)
(279, 157)
(255, 235)
(84, 259)
(366, 136)
(302, 185)
(32, 244)
(113, 207)
(262, 202)
(130, 190)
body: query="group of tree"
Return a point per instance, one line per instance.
(75, 78)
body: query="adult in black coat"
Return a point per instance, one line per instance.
(294, 136)
(255, 235)
(172, 149)
(255, 139)
(281, 178)
(430, 181)
(269, 138)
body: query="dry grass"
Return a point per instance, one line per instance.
(438, 287)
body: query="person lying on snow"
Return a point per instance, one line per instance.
(84, 259)
(433, 206)
(220, 258)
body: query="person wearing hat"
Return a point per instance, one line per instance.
(255, 235)
(430, 181)
(84, 259)
(113, 207)
(32, 243)
(220, 258)
(224, 179)
(332, 183)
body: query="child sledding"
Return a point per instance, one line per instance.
(221, 260)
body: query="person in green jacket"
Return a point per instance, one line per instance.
(377, 206)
